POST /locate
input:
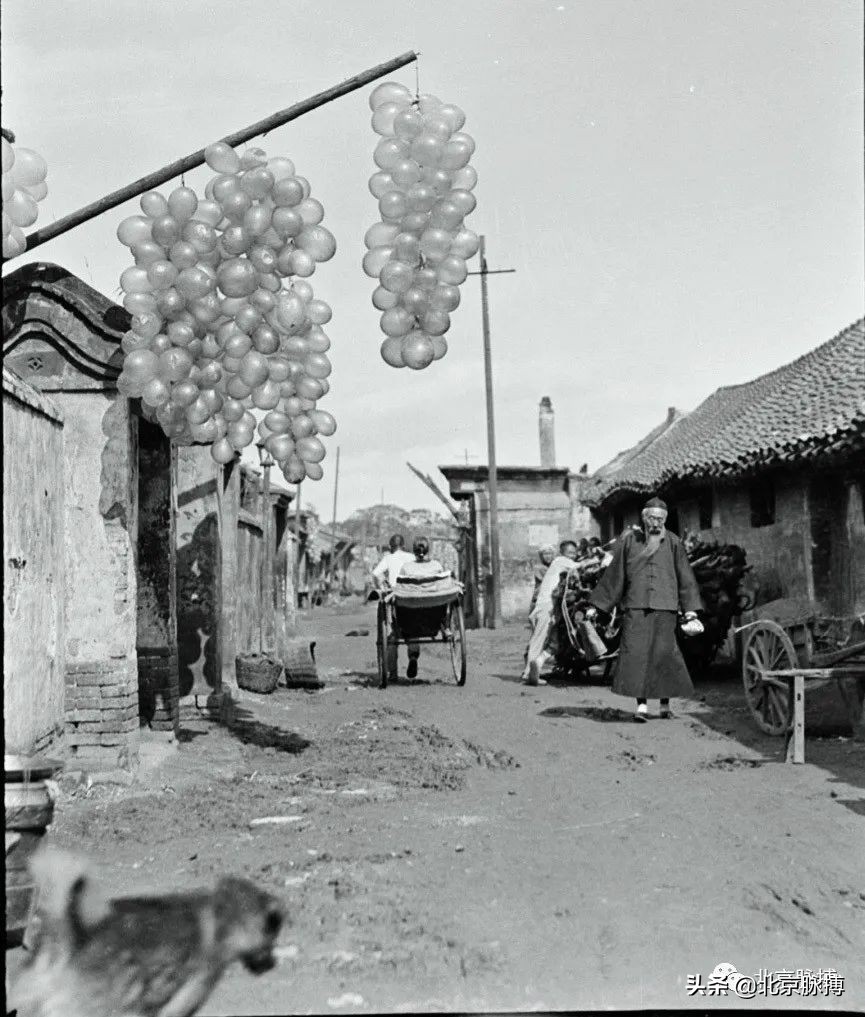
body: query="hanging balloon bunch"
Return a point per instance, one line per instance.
(418, 251)
(224, 320)
(24, 173)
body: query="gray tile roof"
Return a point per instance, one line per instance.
(811, 407)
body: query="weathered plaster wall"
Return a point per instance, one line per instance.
(855, 524)
(285, 601)
(33, 499)
(527, 520)
(779, 554)
(100, 603)
(581, 522)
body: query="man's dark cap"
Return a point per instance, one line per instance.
(656, 503)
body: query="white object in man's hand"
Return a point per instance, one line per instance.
(692, 626)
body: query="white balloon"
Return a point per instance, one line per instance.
(391, 352)
(380, 234)
(375, 260)
(389, 91)
(383, 299)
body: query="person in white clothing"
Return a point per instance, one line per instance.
(388, 568)
(541, 620)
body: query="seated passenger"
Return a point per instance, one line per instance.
(422, 567)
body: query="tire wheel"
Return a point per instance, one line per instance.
(768, 648)
(381, 643)
(457, 626)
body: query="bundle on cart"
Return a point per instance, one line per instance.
(572, 643)
(718, 569)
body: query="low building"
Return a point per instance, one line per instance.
(776, 465)
(536, 505)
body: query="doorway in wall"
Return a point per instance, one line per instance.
(156, 628)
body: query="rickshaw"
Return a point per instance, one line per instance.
(428, 610)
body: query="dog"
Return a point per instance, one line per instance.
(137, 956)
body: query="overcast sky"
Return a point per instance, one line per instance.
(677, 184)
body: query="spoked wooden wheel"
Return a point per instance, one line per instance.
(768, 648)
(457, 640)
(381, 643)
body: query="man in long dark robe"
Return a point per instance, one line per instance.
(651, 578)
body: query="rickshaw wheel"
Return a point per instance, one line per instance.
(381, 643)
(457, 626)
(768, 648)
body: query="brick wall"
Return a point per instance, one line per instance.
(102, 712)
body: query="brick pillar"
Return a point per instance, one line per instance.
(102, 713)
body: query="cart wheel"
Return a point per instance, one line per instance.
(381, 643)
(768, 648)
(457, 626)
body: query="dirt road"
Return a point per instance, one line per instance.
(496, 846)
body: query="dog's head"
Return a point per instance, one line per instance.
(248, 923)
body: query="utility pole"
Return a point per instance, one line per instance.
(495, 613)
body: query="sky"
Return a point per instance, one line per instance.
(678, 186)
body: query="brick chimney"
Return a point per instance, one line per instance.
(547, 432)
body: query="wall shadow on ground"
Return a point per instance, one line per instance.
(247, 728)
(602, 714)
(721, 707)
(370, 680)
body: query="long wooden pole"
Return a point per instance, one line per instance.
(190, 162)
(431, 484)
(333, 524)
(267, 618)
(495, 614)
(297, 545)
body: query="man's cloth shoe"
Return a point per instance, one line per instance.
(642, 714)
(666, 713)
(534, 677)
(411, 671)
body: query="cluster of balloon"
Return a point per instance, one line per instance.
(418, 250)
(224, 319)
(24, 173)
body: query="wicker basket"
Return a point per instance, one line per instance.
(300, 669)
(258, 672)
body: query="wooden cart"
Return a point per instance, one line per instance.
(793, 646)
(423, 611)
